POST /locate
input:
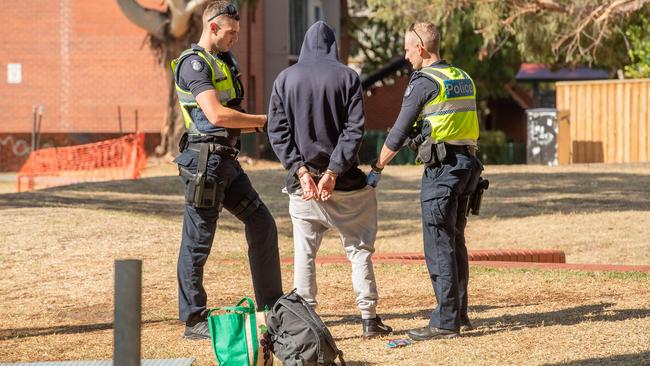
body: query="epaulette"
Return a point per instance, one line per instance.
(418, 74)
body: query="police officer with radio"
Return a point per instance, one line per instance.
(438, 117)
(210, 94)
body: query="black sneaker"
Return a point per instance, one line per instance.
(375, 328)
(425, 333)
(198, 330)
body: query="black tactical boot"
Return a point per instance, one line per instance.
(375, 328)
(425, 333)
(197, 329)
(466, 325)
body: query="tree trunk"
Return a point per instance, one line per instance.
(344, 48)
(173, 124)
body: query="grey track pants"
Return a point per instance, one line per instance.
(354, 215)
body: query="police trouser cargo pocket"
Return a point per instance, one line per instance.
(438, 209)
(432, 153)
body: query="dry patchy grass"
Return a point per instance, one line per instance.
(57, 248)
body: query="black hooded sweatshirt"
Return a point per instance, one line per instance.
(316, 115)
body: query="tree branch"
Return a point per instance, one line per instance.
(181, 14)
(153, 21)
(622, 7)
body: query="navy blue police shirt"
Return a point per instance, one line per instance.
(195, 75)
(421, 89)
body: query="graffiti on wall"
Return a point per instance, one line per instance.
(542, 136)
(18, 147)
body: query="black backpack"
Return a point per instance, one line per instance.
(299, 337)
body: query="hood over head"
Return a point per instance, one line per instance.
(319, 42)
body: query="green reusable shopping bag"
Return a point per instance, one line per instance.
(234, 334)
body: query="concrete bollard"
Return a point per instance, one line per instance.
(128, 312)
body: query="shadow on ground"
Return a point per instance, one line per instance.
(6, 334)
(509, 195)
(641, 358)
(419, 314)
(485, 326)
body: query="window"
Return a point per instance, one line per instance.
(302, 14)
(297, 25)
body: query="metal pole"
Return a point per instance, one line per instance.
(41, 109)
(119, 118)
(136, 121)
(122, 147)
(128, 312)
(34, 118)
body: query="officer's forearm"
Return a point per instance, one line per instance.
(226, 117)
(230, 118)
(385, 157)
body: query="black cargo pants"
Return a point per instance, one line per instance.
(200, 224)
(444, 195)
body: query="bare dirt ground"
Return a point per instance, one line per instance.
(57, 248)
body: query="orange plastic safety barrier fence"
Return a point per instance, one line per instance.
(120, 158)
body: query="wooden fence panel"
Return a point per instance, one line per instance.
(609, 120)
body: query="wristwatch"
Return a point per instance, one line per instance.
(374, 167)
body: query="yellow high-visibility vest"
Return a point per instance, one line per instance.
(452, 113)
(222, 80)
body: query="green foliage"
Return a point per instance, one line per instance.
(638, 36)
(490, 39)
(492, 137)
(376, 41)
(556, 32)
(462, 48)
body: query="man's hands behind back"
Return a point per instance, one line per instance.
(309, 188)
(326, 186)
(322, 191)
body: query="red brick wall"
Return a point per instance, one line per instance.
(383, 104)
(251, 38)
(80, 59)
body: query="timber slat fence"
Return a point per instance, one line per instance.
(609, 120)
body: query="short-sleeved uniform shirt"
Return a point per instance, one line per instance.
(195, 75)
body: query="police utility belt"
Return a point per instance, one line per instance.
(435, 153)
(202, 190)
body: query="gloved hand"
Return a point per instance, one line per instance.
(373, 178)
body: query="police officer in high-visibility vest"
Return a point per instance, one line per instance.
(439, 114)
(210, 93)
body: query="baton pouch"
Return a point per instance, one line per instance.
(427, 153)
(441, 151)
